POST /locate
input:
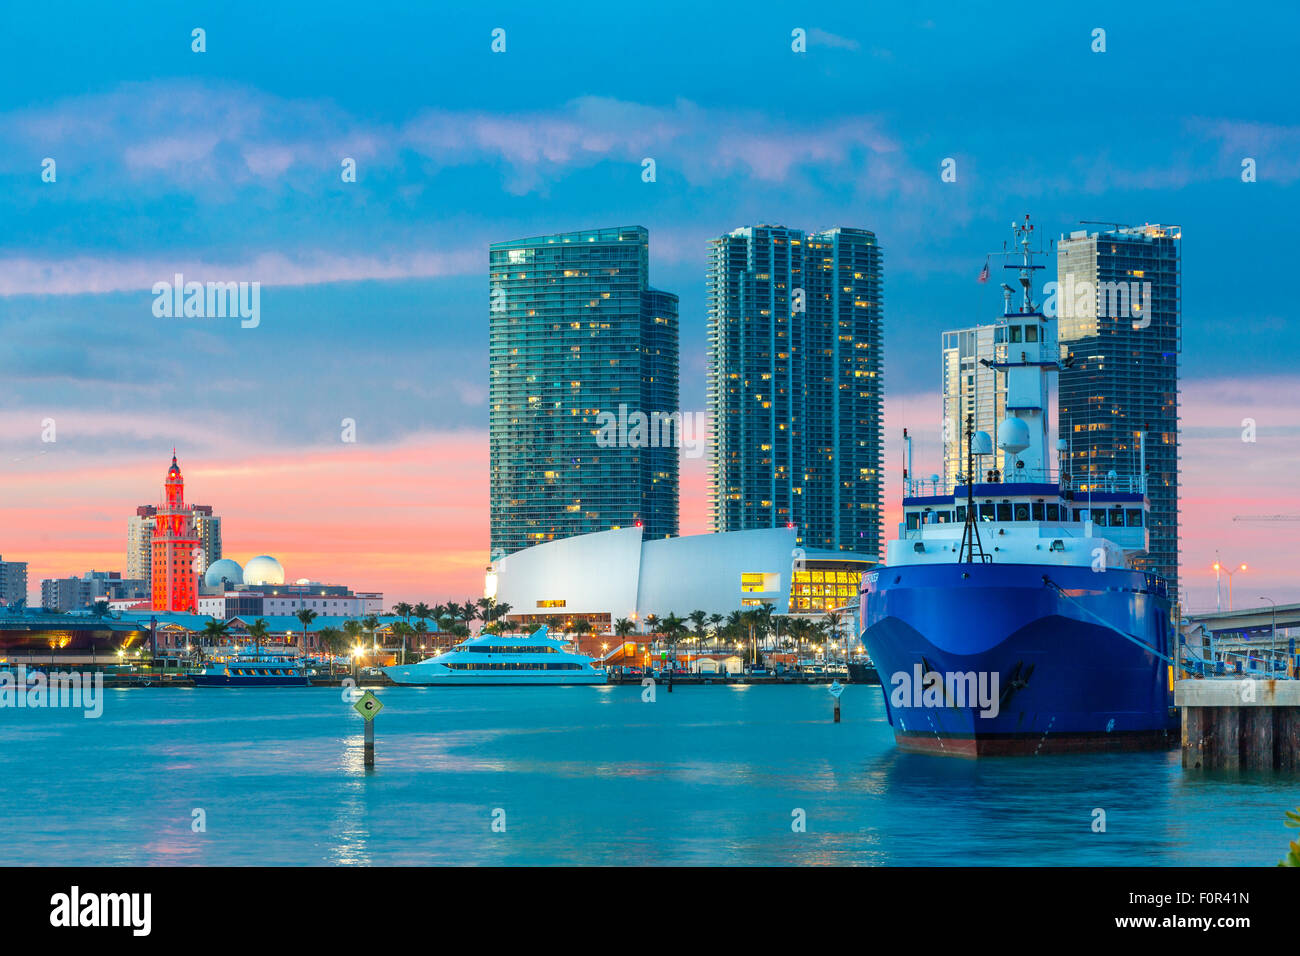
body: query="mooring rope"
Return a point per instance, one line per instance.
(1128, 637)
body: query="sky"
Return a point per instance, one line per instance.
(226, 165)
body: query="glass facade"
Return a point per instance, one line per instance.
(575, 331)
(970, 388)
(1119, 305)
(795, 384)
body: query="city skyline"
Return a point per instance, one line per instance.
(372, 299)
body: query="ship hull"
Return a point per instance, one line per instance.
(1026, 667)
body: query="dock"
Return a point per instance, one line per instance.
(1240, 723)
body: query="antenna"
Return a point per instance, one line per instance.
(970, 535)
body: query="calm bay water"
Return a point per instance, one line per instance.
(584, 775)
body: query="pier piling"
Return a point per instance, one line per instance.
(370, 745)
(1240, 724)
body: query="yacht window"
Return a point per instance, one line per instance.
(1038, 511)
(1004, 511)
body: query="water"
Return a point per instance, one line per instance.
(584, 775)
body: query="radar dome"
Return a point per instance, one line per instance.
(263, 569)
(223, 570)
(1013, 435)
(981, 444)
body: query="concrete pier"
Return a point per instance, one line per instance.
(1240, 724)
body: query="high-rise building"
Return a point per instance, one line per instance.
(208, 527)
(1119, 304)
(139, 543)
(577, 335)
(176, 549)
(795, 384)
(75, 593)
(13, 582)
(971, 388)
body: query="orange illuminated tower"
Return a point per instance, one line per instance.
(175, 544)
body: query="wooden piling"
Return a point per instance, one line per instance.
(1240, 724)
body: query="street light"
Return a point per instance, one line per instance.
(1220, 569)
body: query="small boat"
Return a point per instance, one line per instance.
(254, 670)
(500, 659)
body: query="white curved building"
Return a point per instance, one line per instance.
(616, 574)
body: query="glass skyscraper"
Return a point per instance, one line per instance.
(970, 388)
(1118, 302)
(795, 384)
(576, 331)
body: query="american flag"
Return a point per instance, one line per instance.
(984, 273)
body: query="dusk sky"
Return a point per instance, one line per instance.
(225, 166)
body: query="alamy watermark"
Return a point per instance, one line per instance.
(637, 429)
(38, 690)
(974, 689)
(1109, 300)
(212, 300)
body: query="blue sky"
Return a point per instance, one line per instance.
(225, 165)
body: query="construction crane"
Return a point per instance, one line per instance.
(1266, 517)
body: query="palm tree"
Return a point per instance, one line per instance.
(715, 623)
(259, 631)
(651, 622)
(331, 639)
(673, 627)
(698, 620)
(371, 624)
(623, 627)
(439, 614)
(306, 616)
(101, 609)
(403, 610)
(213, 631)
(403, 629)
(421, 631)
(422, 613)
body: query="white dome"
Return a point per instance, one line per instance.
(224, 569)
(263, 569)
(1013, 435)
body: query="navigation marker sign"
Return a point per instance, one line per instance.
(368, 706)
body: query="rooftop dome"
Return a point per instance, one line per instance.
(263, 569)
(223, 570)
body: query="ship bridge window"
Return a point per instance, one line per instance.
(1037, 511)
(1004, 511)
(1053, 512)
(945, 517)
(1134, 516)
(913, 520)
(1099, 517)
(1031, 333)
(986, 511)
(1022, 511)
(961, 513)
(1078, 514)
(1116, 519)
(1015, 333)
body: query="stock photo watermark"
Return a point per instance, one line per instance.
(64, 690)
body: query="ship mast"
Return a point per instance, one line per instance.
(971, 547)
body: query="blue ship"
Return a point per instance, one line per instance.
(1010, 616)
(254, 670)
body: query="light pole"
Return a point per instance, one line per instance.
(1272, 637)
(1220, 569)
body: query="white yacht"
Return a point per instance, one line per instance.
(502, 659)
